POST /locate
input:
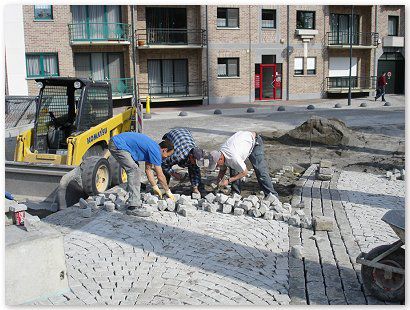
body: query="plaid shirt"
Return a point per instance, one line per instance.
(183, 144)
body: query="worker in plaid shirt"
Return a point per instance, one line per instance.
(186, 154)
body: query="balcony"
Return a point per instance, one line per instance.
(99, 33)
(359, 39)
(170, 38)
(173, 91)
(340, 84)
(121, 88)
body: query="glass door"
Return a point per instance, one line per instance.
(340, 28)
(267, 89)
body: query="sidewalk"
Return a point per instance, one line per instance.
(263, 107)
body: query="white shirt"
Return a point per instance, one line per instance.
(237, 149)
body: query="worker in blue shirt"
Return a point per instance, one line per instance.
(130, 147)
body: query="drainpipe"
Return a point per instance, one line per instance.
(133, 53)
(287, 54)
(349, 99)
(207, 53)
(250, 55)
(375, 50)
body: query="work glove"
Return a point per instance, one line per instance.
(170, 195)
(157, 191)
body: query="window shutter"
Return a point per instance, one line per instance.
(311, 63)
(221, 69)
(232, 67)
(233, 17)
(298, 63)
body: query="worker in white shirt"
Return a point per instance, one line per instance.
(233, 153)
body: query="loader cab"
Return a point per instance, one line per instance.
(67, 107)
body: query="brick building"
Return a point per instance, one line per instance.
(218, 54)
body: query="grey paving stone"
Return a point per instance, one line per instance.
(238, 211)
(323, 223)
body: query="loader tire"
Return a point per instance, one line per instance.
(118, 175)
(374, 279)
(95, 175)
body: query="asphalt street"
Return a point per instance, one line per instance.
(214, 129)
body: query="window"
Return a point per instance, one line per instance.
(43, 12)
(305, 20)
(39, 65)
(97, 22)
(99, 66)
(227, 18)
(393, 25)
(298, 65)
(168, 76)
(311, 65)
(166, 25)
(268, 59)
(268, 18)
(228, 67)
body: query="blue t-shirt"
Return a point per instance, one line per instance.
(140, 146)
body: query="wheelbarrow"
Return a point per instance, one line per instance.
(383, 267)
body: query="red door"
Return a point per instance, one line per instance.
(270, 83)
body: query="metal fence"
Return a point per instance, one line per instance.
(19, 110)
(172, 90)
(357, 83)
(98, 32)
(170, 36)
(358, 38)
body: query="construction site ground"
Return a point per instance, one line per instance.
(215, 258)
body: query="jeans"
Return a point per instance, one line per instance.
(381, 91)
(257, 159)
(133, 174)
(194, 173)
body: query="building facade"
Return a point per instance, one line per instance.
(218, 54)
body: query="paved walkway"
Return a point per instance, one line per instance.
(328, 273)
(222, 259)
(366, 198)
(210, 258)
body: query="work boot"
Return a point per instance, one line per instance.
(138, 211)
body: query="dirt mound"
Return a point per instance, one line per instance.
(323, 131)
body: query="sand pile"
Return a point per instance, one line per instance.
(323, 131)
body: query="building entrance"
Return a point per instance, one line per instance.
(268, 82)
(394, 63)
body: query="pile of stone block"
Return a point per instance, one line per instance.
(396, 174)
(258, 206)
(325, 170)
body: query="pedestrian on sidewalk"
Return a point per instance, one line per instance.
(233, 153)
(130, 147)
(186, 155)
(381, 86)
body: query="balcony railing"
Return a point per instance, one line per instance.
(340, 84)
(172, 90)
(94, 32)
(122, 87)
(369, 39)
(169, 36)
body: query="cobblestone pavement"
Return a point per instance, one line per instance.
(366, 198)
(215, 258)
(210, 258)
(328, 273)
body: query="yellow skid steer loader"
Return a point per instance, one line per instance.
(73, 125)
